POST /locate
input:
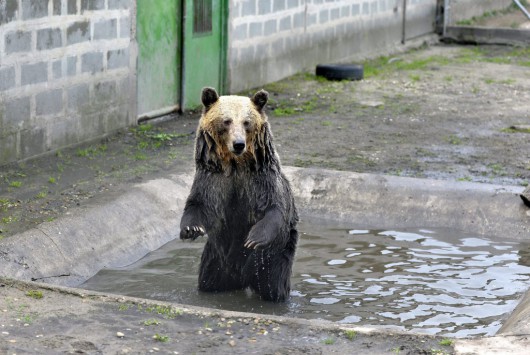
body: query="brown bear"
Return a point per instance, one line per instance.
(241, 200)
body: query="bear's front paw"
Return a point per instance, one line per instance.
(256, 241)
(191, 232)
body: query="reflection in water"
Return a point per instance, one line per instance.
(428, 281)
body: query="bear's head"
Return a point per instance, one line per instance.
(233, 131)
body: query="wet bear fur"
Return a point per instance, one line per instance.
(241, 200)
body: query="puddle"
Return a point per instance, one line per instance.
(428, 281)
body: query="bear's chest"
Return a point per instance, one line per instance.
(239, 199)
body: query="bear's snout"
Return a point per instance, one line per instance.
(238, 146)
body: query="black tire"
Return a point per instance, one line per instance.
(340, 71)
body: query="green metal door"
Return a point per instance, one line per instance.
(204, 48)
(159, 48)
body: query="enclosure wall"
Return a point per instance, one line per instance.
(465, 9)
(272, 39)
(66, 73)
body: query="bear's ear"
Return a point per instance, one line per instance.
(209, 97)
(260, 99)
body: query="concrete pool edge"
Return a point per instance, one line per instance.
(71, 249)
(385, 201)
(123, 228)
(114, 232)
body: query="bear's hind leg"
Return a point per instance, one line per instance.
(269, 274)
(214, 276)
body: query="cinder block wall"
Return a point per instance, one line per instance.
(272, 39)
(466, 9)
(66, 73)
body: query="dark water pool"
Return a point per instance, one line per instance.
(429, 281)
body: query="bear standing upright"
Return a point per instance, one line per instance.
(241, 200)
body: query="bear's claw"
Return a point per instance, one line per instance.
(192, 232)
(255, 244)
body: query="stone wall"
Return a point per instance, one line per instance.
(66, 73)
(271, 39)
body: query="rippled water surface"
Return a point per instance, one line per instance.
(430, 281)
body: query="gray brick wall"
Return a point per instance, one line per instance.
(278, 5)
(256, 29)
(118, 4)
(57, 7)
(264, 7)
(118, 58)
(8, 145)
(240, 32)
(15, 112)
(91, 5)
(271, 39)
(62, 72)
(8, 11)
(104, 91)
(299, 20)
(49, 102)
(32, 141)
(248, 8)
(7, 78)
(270, 27)
(71, 66)
(32, 9)
(355, 9)
(71, 7)
(49, 38)
(324, 16)
(34, 73)
(366, 8)
(18, 41)
(466, 9)
(78, 32)
(292, 3)
(105, 29)
(78, 97)
(92, 62)
(285, 23)
(57, 69)
(125, 27)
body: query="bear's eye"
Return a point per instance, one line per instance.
(246, 124)
(227, 122)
